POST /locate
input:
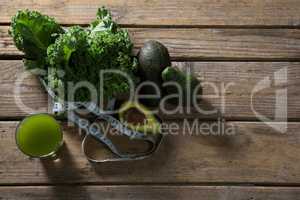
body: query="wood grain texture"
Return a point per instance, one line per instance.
(240, 79)
(253, 153)
(206, 44)
(173, 12)
(149, 193)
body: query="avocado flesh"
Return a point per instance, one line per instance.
(143, 121)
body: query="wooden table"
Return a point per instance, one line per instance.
(237, 41)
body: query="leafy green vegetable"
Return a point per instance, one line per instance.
(32, 33)
(112, 50)
(103, 22)
(80, 53)
(70, 54)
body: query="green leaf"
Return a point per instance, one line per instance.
(33, 33)
(103, 22)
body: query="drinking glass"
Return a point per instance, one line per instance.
(39, 136)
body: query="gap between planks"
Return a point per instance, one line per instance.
(202, 45)
(159, 184)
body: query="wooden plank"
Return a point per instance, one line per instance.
(30, 90)
(224, 44)
(173, 12)
(246, 152)
(149, 192)
(206, 44)
(240, 78)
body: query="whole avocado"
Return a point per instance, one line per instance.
(153, 59)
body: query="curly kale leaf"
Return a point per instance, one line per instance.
(70, 54)
(82, 55)
(104, 22)
(113, 51)
(108, 40)
(32, 33)
(72, 42)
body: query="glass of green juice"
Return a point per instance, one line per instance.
(39, 136)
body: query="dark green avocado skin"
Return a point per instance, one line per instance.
(153, 59)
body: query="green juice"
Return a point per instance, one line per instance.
(39, 135)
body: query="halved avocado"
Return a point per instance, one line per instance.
(139, 118)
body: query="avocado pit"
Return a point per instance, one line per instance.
(134, 116)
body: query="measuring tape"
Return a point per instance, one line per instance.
(71, 108)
